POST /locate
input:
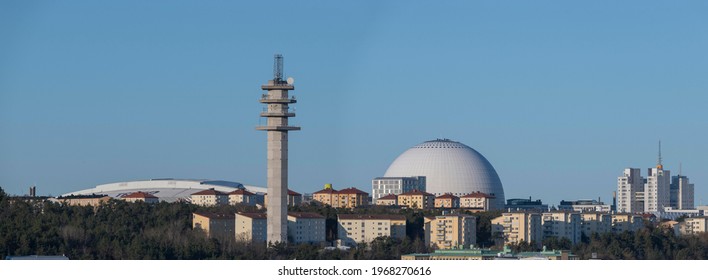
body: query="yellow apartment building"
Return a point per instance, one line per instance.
(450, 231)
(214, 224)
(562, 224)
(476, 201)
(251, 227)
(141, 196)
(210, 197)
(416, 199)
(357, 228)
(517, 227)
(346, 198)
(595, 222)
(447, 201)
(242, 196)
(388, 200)
(294, 198)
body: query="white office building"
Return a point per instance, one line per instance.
(629, 186)
(383, 186)
(656, 189)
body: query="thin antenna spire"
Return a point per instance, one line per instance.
(658, 162)
(680, 168)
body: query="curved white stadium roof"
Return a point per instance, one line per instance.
(449, 167)
(167, 189)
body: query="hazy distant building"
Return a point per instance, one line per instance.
(450, 231)
(525, 204)
(293, 198)
(584, 205)
(681, 192)
(84, 200)
(355, 228)
(383, 186)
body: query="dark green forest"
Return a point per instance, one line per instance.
(121, 230)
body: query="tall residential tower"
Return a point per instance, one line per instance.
(277, 114)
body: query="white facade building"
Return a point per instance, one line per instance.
(628, 186)
(383, 186)
(657, 189)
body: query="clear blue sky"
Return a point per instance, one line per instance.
(559, 96)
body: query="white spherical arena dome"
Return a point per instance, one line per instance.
(449, 167)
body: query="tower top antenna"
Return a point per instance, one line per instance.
(658, 161)
(278, 68)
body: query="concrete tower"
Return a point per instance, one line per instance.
(277, 113)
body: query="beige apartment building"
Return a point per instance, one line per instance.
(242, 196)
(447, 201)
(517, 227)
(294, 198)
(416, 199)
(251, 227)
(346, 198)
(690, 226)
(355, 228)
(562, 224)
(210, 197)
(626, 222)
(306, 228)
(84, 200)
(476, 201)
(388, 200)
(451, 231)
(595, 222)
(141, 196)
(213, 225)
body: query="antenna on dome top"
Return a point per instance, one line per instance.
(278, 68)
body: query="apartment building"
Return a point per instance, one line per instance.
(210, 197)
(141, 196)
(346, 198)
(447, 201)
(388, 200)
(690, 226)
(595, 222)
(450, 231)
(294, 198)
(562, 224)
(517, 227)
(476, 201)
(242, 196)
(214, 225)
(626, 222)
(306, 228)
(251, 227)
(356, 228)
(416, 199)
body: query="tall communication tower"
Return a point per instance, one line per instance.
(277, 113)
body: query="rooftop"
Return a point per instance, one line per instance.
(477, 194)
(139, 195)
(215, 215)
(209, 192)
(389, 197)
(253, 215)
(305, 215)
(416, 192)
(241, 192)
(352, 191)
(370, 217)
(447, 196)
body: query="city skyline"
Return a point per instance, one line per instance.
(559, 97)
